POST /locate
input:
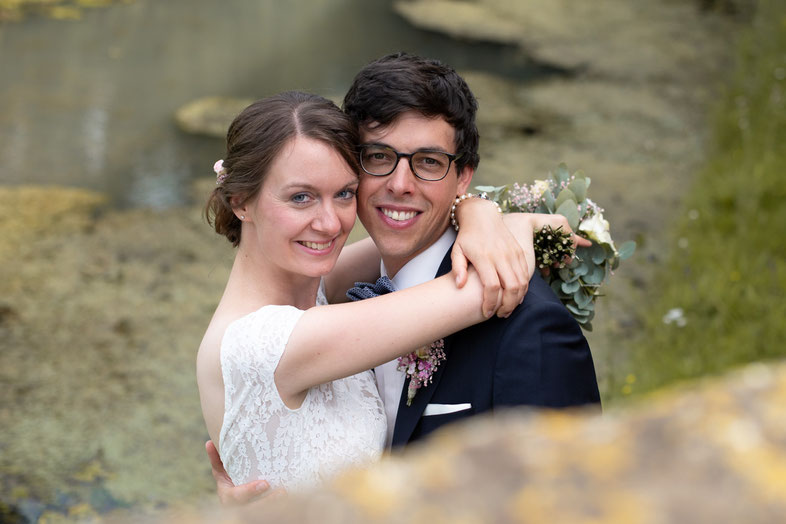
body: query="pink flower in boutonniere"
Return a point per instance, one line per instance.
(420, 366)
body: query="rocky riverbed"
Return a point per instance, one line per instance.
(102, 310)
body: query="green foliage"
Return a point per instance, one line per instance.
(728, 273)
(577, 284)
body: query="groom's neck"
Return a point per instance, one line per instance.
(394, 263)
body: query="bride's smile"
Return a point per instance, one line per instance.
(304, 211)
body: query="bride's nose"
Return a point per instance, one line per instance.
(326, 219)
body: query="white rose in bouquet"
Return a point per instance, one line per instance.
(597, 229)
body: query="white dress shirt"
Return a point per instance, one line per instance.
(420, 269)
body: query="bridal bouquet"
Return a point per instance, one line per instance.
(576, 283)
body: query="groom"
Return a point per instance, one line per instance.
(537, 356)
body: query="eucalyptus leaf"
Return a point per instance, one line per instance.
(615, 263)
(627, 249)
(490, 189)
(579, 188)
(568, 275)
(595, 275)
(562, 174)
(597, 253)
(581, 269)
(587, 326)
(548, 199)
(565, 194)
(577, 311)
(591, 304)
(569, 211)
(583, 253)
(569, 288)
(556, 287)
(581, 297)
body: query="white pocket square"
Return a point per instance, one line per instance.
(442, 409)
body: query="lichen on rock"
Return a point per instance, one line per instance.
(709, 451)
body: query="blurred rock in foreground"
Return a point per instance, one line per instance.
(712, 452)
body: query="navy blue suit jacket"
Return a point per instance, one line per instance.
(537, 356)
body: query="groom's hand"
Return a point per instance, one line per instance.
(230, 495)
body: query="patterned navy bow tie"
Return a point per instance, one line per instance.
(363, 290)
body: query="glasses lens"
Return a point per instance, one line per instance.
(431, 165)
(377, 160)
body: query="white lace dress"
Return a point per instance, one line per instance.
(339, 424)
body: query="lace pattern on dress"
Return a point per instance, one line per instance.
(339, 424)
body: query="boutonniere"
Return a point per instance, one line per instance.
(420, 366)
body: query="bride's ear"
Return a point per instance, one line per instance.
(239, 209)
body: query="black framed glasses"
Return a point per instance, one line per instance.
(426, 164)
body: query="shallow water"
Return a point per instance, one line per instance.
(89, 103)
(96, 356)
(100, 317)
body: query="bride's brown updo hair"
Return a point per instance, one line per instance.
(255, 138)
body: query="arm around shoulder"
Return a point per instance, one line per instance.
(336, 341)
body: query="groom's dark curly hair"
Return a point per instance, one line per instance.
(397, 83)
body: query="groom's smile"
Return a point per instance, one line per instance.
(402, 213)
(398, 216)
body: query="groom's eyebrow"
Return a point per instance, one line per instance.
(419, 148)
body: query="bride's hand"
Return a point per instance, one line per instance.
(485, 242)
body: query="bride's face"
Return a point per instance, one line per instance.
(305, 208)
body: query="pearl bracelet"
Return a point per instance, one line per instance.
(460, 199)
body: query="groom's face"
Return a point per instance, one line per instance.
(402, 213)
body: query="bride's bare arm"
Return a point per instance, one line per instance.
(337, 341)
(502, 255)
(358, 262)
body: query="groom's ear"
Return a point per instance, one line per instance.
(464, 179)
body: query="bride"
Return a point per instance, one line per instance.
(285, 387)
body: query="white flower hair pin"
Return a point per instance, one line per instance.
(220, 171)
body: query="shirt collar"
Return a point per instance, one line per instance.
(424, 266)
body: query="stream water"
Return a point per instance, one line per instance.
(90, 103)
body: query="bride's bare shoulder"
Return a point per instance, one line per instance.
(211, 341)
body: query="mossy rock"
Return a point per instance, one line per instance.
(210, 115)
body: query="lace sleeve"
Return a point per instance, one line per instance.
(340, 423)
(250, 351)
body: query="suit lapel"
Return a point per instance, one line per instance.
(408, 416)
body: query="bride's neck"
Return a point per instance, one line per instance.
(255, 281)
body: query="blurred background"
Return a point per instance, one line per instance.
(113, 112)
